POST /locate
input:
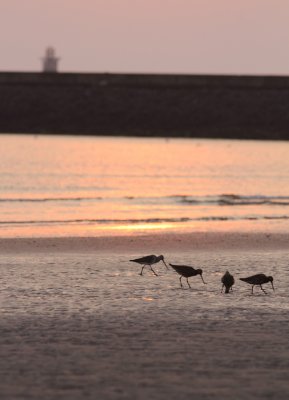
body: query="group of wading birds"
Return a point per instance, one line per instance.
(185, 271)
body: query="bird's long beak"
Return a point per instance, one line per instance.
(272, 286)
(165, 264)
(203, 280)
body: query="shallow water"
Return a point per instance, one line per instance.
(88, 325)
(90, 283)
(88, 186)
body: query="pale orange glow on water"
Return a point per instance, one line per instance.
(148, 299)
(67, 186)
(143, 227)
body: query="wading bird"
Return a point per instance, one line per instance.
(149, 261)
(227, 281)
(187, 271)
(259, 280)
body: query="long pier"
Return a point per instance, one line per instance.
(203, 106)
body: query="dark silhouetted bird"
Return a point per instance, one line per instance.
(258, 279)
(149, 261)
(227, 281)
(186, 272)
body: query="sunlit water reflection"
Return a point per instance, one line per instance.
(90, 186)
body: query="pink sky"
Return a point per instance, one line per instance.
(161, 36)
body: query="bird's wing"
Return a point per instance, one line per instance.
(255, 279)
(145, 259)
(182, 268)
(258, 276)
(228, 279)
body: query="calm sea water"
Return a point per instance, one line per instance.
(61, 185)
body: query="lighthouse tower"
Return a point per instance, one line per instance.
(50, 61)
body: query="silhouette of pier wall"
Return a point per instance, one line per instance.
(245, 107)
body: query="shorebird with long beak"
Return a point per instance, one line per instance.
(186, 271)
(227, 281)
(149, 261)
(259, 280)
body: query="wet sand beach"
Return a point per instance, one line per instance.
(157, 242)
(79, 322)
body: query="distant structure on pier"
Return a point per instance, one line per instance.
(50, 61)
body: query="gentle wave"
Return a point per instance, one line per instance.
(47, 199)
(144, 221)
(235, 200)
(218, 200)
(98, 221)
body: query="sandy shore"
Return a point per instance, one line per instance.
(79, 322)
(211, 241)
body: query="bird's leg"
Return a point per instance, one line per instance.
(188, 283)
(263, 289)
(181, 281)
(153, 271)
(252, 288)
(142, 269)
(222, 288)
(231, 288)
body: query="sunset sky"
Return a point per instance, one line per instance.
(154, 36)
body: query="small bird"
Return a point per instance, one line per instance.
(149, 261)
(187, 271)
(227, 281)
(258, 279)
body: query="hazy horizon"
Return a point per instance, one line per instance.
(133, 36)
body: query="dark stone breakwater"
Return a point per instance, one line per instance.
(203, 106)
